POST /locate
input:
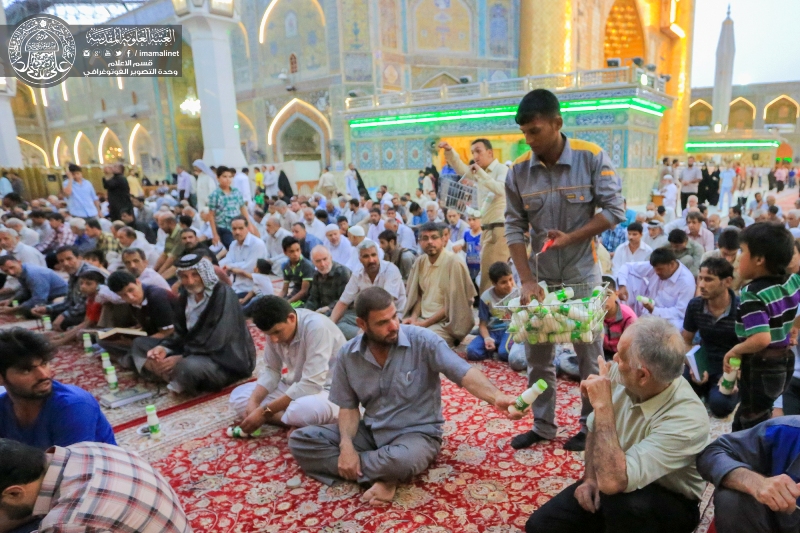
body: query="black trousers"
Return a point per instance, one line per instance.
(685, 198)
(652, 509)
(791, 398)
(762, 380)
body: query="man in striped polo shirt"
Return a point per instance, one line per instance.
(767, 312)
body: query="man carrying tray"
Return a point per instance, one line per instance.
(554, 191)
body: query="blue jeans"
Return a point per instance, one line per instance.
(476, 351)
(726, 191)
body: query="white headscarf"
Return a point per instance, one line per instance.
(199, 163)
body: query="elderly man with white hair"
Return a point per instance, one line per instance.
(26, 234)
(26, 254)
(792, 222)
(273, 238)
(356, 235)
(340, 248)
(655, 237)
(286, 216)
(405, 235)
(372, 272)
(645, 433)
(83, 241)
(330, 279)
(313, 225)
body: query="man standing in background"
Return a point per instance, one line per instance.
(490, 176)
(690, 178)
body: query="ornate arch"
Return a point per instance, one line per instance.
(108, 136)
(38, 148)
(442, 78)
(742, 114)
(297, 106)
(76, 148)
(775, 118)
(262, 29)
(443, 26)
(307, 120)
(700, 113)
(624, 33)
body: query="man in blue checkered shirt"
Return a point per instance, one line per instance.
(612, 238)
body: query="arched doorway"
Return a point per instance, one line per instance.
(141, 151)
(300, 141)
(700, 114)
(299, 110)
(782, 110)
(440, 79)
(109, 147)
(624, 34)
(83, 150)
(743, 115)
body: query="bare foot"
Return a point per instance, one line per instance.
(291, 430)
(382, 493)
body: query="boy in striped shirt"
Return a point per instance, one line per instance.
(766, 314)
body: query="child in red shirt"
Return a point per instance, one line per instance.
(90, 282)
(618, 318)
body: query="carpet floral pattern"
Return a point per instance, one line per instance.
(478, 484)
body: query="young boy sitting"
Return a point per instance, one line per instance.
(767, 312)
(262, 283)
(493, 331)
(618, 317)
(89, 285)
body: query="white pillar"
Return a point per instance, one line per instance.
(10, 151)
(213, 71)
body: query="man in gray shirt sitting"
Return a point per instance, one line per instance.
(392, 371)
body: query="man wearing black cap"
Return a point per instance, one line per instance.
(211, 346)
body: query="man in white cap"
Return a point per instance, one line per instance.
(655, 238)
(341, 250)
(356, 235)
(670, 193)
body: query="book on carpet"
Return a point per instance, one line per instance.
(698, 362)
(123, 397)
(104, 334)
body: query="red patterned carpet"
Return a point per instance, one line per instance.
(70, 365)
(478, 484)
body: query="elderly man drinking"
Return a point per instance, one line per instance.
(211, 346)
(647, 428)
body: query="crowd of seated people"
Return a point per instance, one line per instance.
(343, 286)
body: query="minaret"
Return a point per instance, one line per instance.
(723, 78)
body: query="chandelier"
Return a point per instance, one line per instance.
(190, 106)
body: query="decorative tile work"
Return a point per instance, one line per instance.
(601, 138)
(415, 153)
(392, 155)
(363, 154)
(618, 141)
(592, 119)
(648, 149)
(635, 149)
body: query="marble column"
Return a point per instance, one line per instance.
(213, 68)
(10, 151)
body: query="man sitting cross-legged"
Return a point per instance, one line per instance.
(372, 273)
(303, 342)
(439, 289)
(393, 372)
(645, 433)
(37, 286)
(211, 346)
(36, 409)
(151, 307)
